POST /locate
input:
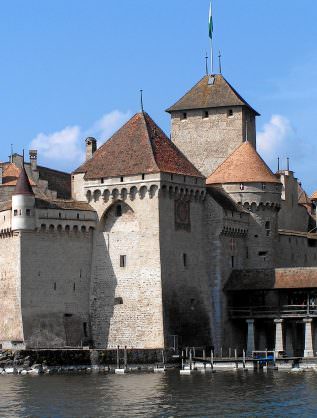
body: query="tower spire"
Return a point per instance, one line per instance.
(141, 98)
(220, 66)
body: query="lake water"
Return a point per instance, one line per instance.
(222, 394)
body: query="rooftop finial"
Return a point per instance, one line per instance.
(11, 156)
(287, 163)
(141, 97)
(206, 58)
(220, 66)
(278, 163)
(23, 158)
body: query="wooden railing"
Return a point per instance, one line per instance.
(284, 311)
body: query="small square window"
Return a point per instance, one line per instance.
(102, 180)
(15, 212)
(143, 176)
(230, 113)
(123, 260)
(241, 186)
(121, 179)
(263, 186)
(205, 114)
(28, 212)
(184, 116)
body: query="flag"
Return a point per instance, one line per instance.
(211, 27)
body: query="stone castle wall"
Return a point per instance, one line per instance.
(126, 300)
(185, 279)
(11, 329)
(56, 267)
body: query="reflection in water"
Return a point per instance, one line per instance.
(234, 394)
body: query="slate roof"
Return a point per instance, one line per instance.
(244, 165)
(23, 185)
(264, 279)
(205, 95)
(138, 147)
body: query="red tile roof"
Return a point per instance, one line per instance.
(140, 146)
(244, 165)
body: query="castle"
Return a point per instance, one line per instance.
(156, 243)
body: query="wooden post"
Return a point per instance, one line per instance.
(163, 358)
(118, 357)
(125, 358)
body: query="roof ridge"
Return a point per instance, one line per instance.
(145, 115)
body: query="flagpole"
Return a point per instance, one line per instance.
(211, 58)
(210, 36)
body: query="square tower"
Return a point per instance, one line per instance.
(210, 122)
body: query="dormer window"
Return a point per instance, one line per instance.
(184, 116)
(230, 113)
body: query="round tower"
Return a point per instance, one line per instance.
(251, 184)
(23, 204)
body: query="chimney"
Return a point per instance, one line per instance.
(91, 146)
(33, 159)
(1, 175)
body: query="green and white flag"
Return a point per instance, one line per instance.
(211, 27)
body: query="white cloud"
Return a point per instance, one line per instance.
(108, 124)
(274, 137)
(59, 145)
(64, 149)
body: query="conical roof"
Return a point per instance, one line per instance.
(140, 146)
(206, 95)
(314, 196)
(23, 186)
(244, 165)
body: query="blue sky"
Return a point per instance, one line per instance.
(74, 68)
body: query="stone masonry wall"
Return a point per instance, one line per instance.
(10, 290)
(126, 300)
(56, 267)
(186, 287)
(207, 142)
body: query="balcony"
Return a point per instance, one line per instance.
(272, 312)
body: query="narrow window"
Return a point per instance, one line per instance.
(74, 287)
(262, 253)
(123, 261)
(15, 212)
(172, 177)
(241, 186)
(85, 329)
(232, 261)
(205, 114)
(77, 215)
(263, 186)
(185, 260)
(102, 180)
(28, 212)
(230, 113)
(121, 179)
(118, 210)
(184, 179)
(55, 286)
(143, 176)
(59, 215)
(247, 252)
(184, 116)
(268, 228)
